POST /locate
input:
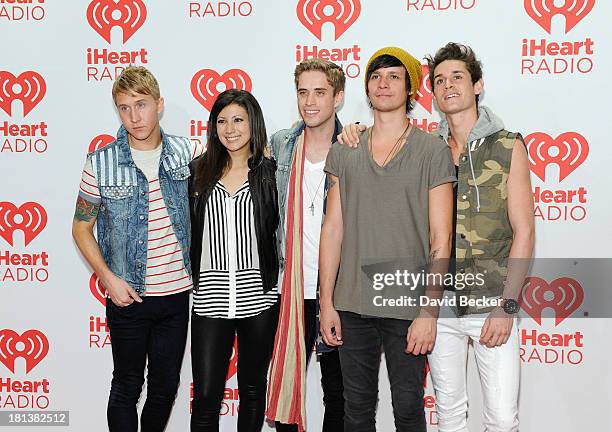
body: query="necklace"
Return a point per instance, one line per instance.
(312, 198)
(392, 152)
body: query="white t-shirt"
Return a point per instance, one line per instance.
(313, 187)
(313, 190)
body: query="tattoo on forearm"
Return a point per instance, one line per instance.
(331, 181)
(433, 254)
(85, 210)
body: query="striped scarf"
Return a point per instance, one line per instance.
(287, 387)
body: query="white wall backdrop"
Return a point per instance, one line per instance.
(546, 74)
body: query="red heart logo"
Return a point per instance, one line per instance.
(543, 11)
(569, 150)
(29, 87)
(100, 141)
(424, 93)
(426, 373)
(204, 84)
(232, 367)
(97, 289)
(32, 346)
(341, 13)
(129, 15)
(563, 295)
(31, 218)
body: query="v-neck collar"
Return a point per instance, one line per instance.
(242, 189)
(395, 158)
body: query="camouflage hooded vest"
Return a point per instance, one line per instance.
(483, 231)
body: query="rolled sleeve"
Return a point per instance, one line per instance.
(332, 163)
(441, 168)
(88, 189)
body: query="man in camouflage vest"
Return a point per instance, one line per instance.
(493, 241)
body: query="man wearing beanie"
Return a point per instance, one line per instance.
(493, 237)
(389, 212)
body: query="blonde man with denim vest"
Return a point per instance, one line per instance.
(135, 191)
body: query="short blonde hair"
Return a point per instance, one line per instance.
(334, 73)
(136, 79)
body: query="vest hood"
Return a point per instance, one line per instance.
(488, 123)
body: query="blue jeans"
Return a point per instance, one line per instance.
(155, 329)
(360, 360)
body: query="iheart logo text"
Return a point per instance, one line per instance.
(425, 93)
(543, 11)
(32, 346)
(341, 13)
(31, 218)
(129, 15)
(569, 150)
(29, 87)
(563, 295)
(97, 289)
(205, 84)
(100, 141)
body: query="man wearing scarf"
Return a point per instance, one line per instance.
(300, 153)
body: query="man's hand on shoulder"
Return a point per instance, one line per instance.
(350, 134)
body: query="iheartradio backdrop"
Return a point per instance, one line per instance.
(545, 73)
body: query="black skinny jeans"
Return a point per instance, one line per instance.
(360, 357)
(212, 340)
(154, 330)
(331, 376)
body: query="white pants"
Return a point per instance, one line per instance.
(498, 368)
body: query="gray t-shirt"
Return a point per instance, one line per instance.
(385, 212)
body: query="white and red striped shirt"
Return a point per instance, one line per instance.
(166, 273)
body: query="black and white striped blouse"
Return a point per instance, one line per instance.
(230, 281)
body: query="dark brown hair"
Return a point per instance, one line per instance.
(216, 159)
(385, 61)
(456, 51)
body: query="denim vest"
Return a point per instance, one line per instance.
(282, 146)
(124, 211)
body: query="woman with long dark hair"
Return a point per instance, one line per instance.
(234, 216)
